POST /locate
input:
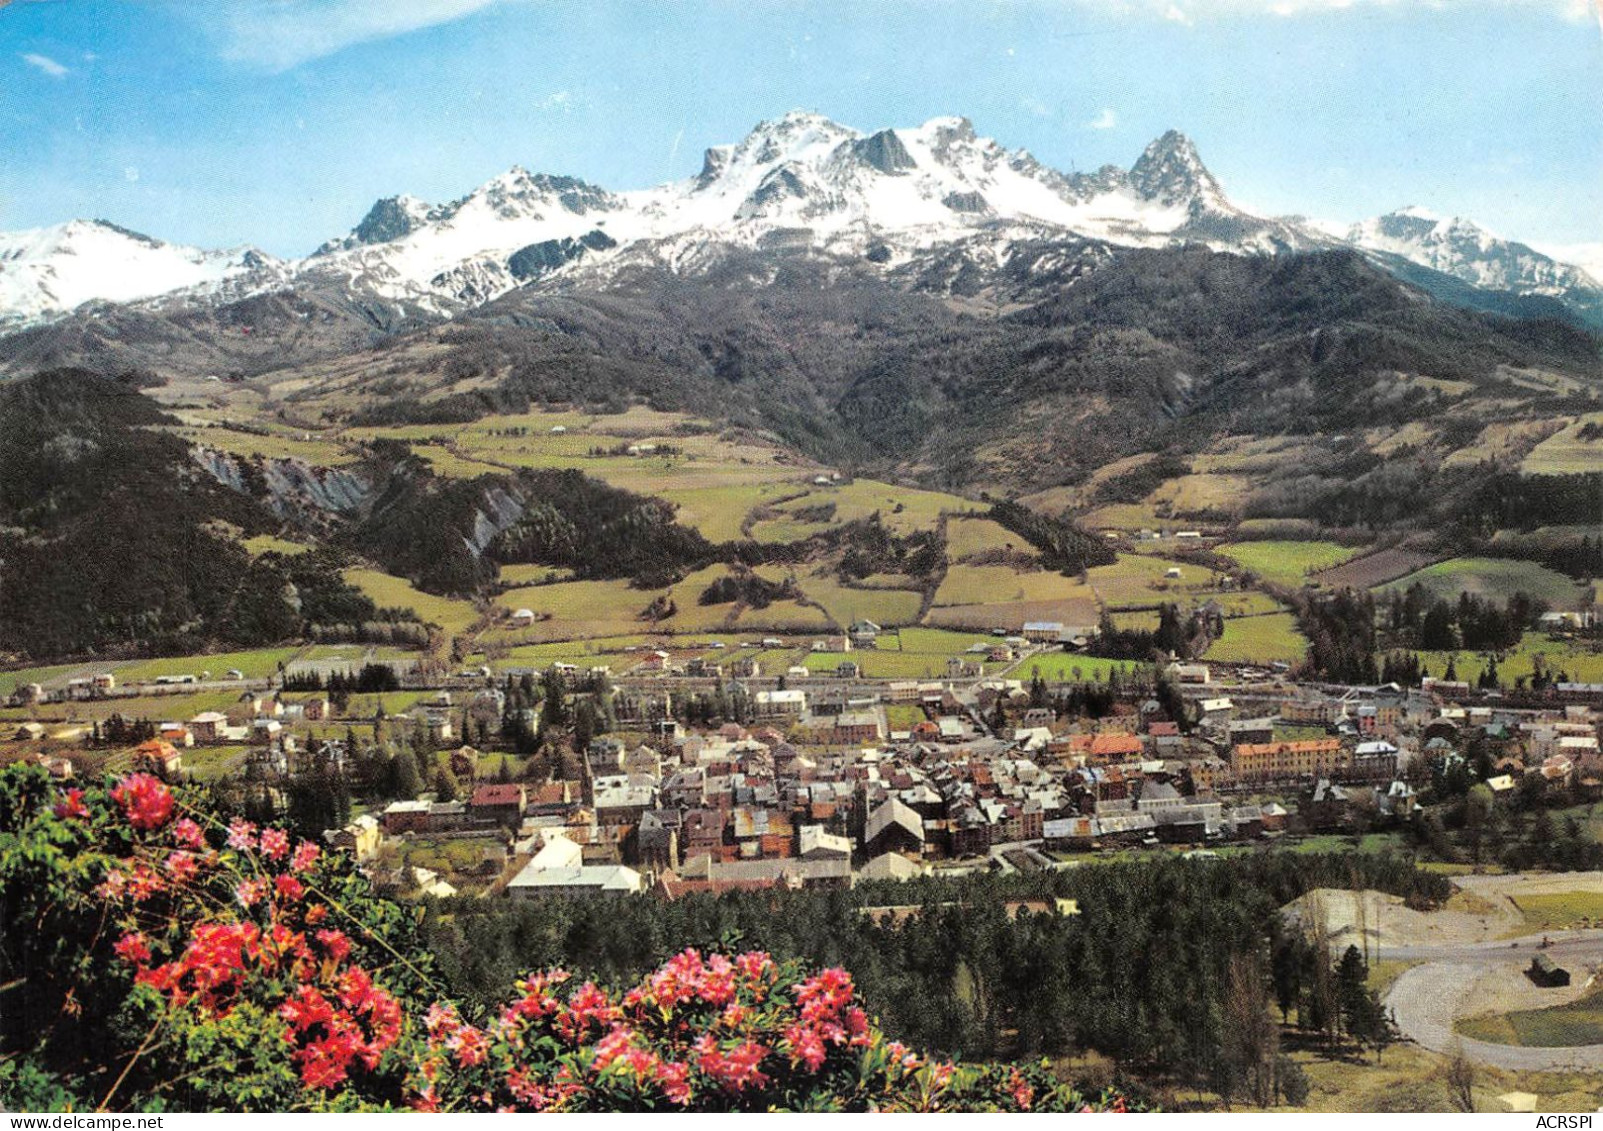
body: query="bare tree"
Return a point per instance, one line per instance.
(1252, 1039)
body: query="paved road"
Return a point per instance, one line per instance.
(1428, 998)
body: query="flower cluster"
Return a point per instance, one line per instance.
(709, 1033)
(335, 1017)
(145, 800)
(270, 977)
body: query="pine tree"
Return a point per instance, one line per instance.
(446, 786)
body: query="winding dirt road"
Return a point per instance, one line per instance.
(1460, 980)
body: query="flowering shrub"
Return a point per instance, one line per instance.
(175, 962)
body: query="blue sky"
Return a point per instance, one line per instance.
(278, 122)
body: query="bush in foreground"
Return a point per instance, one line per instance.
(157, 957)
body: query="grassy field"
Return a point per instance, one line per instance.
(994, 585)
(532, 574)
(44, 676)
(259, 663)
(845, 604)
(1567, 656)
(271, 544)
(580, 609)
(1561, 910)
(968, 536)
(396, 592)
(1138, 579)
(1413, 1079)
(1201, 494)
(890, 665)
(1287, 563)
(903, 716)
(1259, 639)
(1493, 577)
(1565, 452)
(1056, 667)
(1562, 1026)
(719, 511)
(901, 509)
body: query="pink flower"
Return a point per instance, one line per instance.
(145, 801)
(71, 806)
(275, 844)
(613, 1046)
(674, 1079)
(241, 835)
(754, 965)
(250, 892)
(288, 887)
(735, 1070)
(469, 1044)
(131, 948)
(306, 853)
(335, 942)
(181, 866)
(806, 1046)
(189, 834)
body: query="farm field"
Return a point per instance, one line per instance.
(991, 585)
(521, 574)
(888, 665)
(719, 512)
(1121, 516)
(449, 465)
(1203, 494)
(155, 707)
(1072, 667)
(271, 544)
(316, 451)
(901, 509)
(1371, 570)
(845, 604)
(388, 591)
(1138, 579)
(1573, 658)
(1259, 639)
(1287, 563)
(579, 609)
(1013, 615)
(1502, 441)
(49, 676)
(1493, 577)
(1576, 1023)
(1565, 452)
(1557, 911)
(259, 663)
(966, 537)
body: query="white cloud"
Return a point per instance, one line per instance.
(1587, 256)
(1175, 14)
(46, 64)
(1032, 105)
(1106, 120)
(280, 34)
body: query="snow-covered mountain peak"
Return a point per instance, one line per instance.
(1171, 172)
(938, 192)
(47, 272)
(1465, 250)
